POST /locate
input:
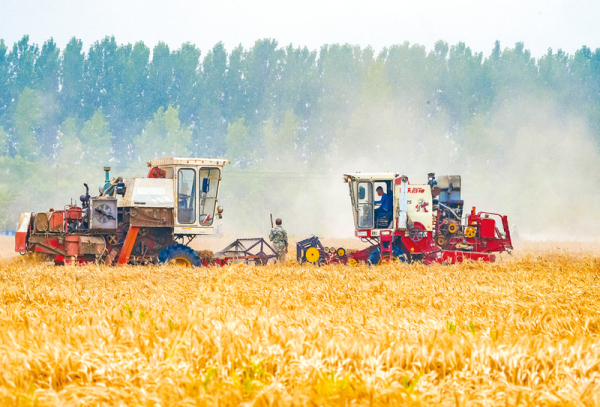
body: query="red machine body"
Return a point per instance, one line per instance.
(422, 222)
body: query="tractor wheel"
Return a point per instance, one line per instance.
(180, 255)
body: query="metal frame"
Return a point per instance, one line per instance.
(242, 249)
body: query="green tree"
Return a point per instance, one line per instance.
(72, 75)
(164, 136)
(238, 143)
(22, 60)
(4, 72)
(160, 78)
(3, 142)
(236, 85)
(132, 85)
(212, 124)
(28, 117)
(260, 67)
(71, 149)
(281, 143)
(47, 68)
(96, 139)
(186, 81)
(103, 73)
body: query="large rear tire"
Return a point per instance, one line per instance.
(180, 255)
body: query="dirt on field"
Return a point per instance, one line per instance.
(518, 332)
(7, 248)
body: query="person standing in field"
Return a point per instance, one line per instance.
(279, 238)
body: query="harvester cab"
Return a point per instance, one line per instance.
(387, 201)
(187, 187)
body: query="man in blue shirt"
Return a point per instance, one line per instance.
(383, 214)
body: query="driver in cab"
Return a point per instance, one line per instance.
(386, 206)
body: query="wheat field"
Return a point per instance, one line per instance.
(523, 331)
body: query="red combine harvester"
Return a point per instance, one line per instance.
(413, 222)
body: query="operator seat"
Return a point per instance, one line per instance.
(383, 221)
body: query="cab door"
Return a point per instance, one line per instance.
(187, 194)
(208, 194)
(364, 205)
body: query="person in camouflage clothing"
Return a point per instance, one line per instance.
(279, 238)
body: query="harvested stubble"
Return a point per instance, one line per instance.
(523, 332)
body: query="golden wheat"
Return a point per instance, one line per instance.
(518, 332)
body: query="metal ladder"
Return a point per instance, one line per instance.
(386, 246)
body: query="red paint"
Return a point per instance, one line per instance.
(73, 212)
(72, 245)
(488, 228)
(156, 172)
(386, 246)
(57, 221)
(20, 242)
(357, 233)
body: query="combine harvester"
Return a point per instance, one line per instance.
(426, 223)
(140, 220)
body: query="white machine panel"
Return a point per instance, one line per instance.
(419, 207)
(148, 193)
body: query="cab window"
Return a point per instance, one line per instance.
(186, 193)
(209, 186)
(364, 205)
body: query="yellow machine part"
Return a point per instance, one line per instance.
(452, 228)
(312, 254)
(441, 240)
(470, 232)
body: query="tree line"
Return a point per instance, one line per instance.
(268, 107)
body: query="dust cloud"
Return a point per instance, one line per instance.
(528, 159)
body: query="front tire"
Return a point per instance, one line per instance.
(180, 255)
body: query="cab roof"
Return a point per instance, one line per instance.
(163, 162)
(371, 176)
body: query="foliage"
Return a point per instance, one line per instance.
(164, 136)
(270, 108)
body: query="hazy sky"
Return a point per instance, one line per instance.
(538, 23)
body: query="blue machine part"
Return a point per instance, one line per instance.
(375, 255)
(179, 251)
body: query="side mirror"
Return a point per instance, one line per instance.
(361, 193)
(205, 185)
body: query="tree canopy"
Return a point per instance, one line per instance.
(274, 107)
